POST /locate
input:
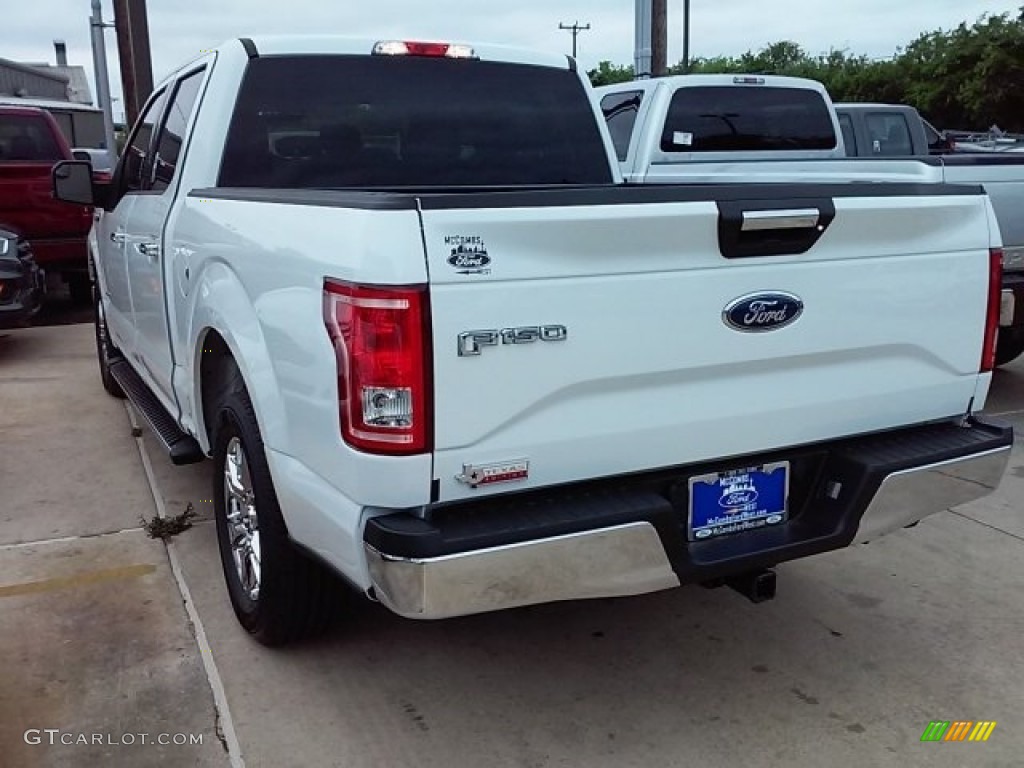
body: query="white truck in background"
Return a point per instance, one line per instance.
(399, 293)
(767, 128)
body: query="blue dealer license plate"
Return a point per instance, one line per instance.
(740, 500)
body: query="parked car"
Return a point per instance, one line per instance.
(30, 143)
(763, 128)
(448, 353)
(22, 282)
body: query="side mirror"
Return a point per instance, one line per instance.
(79, 154)
(72, 182)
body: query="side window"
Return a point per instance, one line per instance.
(173, 131)
(620, 111)
(849, 136)
(890, 134)
(136, 154)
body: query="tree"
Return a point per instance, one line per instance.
(607, 73)
(968, 77)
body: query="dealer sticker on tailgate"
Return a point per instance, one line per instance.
(739, 500)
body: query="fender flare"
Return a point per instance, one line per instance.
(220, 304)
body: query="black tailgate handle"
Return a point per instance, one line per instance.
(750, 228)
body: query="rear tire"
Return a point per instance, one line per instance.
(1009, 347)
(278, 594)
(106, 352)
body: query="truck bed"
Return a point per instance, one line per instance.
(648, 374)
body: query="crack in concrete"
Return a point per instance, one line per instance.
(223, 723)
(67, 539)
(995, 528)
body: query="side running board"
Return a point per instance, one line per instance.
(182, 448)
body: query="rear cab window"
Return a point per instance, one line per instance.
(27, 139)
(340, 121)
(747, 118)
(620, 111)
(889, 134)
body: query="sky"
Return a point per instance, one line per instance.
(181, 28)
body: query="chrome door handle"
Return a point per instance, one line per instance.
(148, 249)
(118, 237)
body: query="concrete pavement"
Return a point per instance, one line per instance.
(94, 642)
(860, 650)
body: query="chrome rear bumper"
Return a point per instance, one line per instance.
(609, 562)
(633, 558)
(908, 496)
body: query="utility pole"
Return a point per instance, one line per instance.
(99, 62)
(686, 36)
(642, 40)
(575, 28)
(133, 50)
(659, 37)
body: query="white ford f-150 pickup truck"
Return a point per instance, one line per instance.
(397, 291)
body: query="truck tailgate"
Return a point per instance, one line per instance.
(893, 283)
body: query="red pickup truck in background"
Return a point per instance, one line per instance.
(30, 143)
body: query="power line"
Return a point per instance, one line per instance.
(575, 28)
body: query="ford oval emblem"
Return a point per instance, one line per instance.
(740, 498)
(469, 259)
(758, 312)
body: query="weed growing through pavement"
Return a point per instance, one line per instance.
(166, 527)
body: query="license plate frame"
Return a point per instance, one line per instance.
(737, 500)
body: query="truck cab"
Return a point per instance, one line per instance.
(888, 130)
(663, 122)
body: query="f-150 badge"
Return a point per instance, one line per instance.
(472, 342)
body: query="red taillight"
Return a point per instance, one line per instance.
(426, 49)
(995, 285)
(381, 342)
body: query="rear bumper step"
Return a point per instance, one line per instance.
(183, 448)
(626, 536)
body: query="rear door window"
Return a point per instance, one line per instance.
(849, 135)
(401, 121)
(747, 118)
(889, 134)
(620, 111)
(27, 138)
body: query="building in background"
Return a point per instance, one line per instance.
(59, 81)
(31, 82)
(61, 89)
